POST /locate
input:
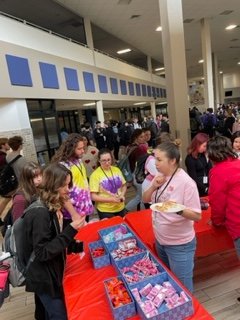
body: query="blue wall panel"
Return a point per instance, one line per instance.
(71, 79)
(114, 86)
(49, 75)
(123, 86)
(19, 72)
(138, 89)
(88, 81)
(102, 82)
(131, 88)
(144, 90)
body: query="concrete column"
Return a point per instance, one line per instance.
(14, 121)
(221, 89)
(217, 99)
(99, 108)
(149, 64)
(207, 64)
(153, 109)
(175, 66)
(88, 33)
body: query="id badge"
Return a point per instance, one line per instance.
(205, 179)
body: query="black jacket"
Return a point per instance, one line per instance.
(197, 168)
(42, 235)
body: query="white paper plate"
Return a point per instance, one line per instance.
(175, 207)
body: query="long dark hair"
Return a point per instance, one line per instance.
(54, 177)
(26, 184)
(219, 148)
(66, 152)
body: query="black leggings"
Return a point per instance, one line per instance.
(103, 215)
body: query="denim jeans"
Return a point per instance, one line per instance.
(180, 260)
(237, 247)
(132, 204)
(55, 307)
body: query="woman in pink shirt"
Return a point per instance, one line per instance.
(174, 232)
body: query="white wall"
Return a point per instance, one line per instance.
(14, 115)
(36, 45)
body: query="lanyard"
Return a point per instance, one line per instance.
(79, 168)
(158, 196)
(112, 182)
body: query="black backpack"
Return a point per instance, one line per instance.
(140, 172)
(8, 179)
(13, 243)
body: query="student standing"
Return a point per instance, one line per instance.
(174, 232)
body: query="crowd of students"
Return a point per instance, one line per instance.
(83, 173)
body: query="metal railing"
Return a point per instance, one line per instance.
(65, 38)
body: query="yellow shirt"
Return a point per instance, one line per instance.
(105, 183)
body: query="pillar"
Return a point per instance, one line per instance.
(153, 109)
(216, 83)
(99, 108)
(207, 64)
(88, 33)
(19, 125)
(175, 69)
(149, 64)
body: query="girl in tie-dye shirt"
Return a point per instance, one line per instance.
(108, 187)
(70, 154)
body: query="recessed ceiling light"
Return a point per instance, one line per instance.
(139, 103)
(200, 61)
(231, 26)
(220, 72)
(89, 104)
(158, 28)
(202, 78)
(159, 69)
(124, 51)
(239, 62)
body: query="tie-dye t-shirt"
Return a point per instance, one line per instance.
(106, 183)
(79, 194)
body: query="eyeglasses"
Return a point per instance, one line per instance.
(105, 160)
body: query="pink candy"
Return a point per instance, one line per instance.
(158, 300)
(140, 269)
(145, 290)
(154, 297)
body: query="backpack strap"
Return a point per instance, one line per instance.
(13, 160)
(130, 151)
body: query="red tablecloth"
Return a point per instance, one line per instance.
(210, 239)
(83, 285)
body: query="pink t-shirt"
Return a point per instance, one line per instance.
(170, 228)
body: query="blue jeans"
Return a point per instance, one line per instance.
(132, 204)
(55, 307)
(180, 260)
(237, 247)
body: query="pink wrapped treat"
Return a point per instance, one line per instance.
(148, 306)
(145, 290)
(158, 300)
(136, 294)
(152, 313)
(184, 296)
(155, 290)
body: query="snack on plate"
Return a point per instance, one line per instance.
(165, 206)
